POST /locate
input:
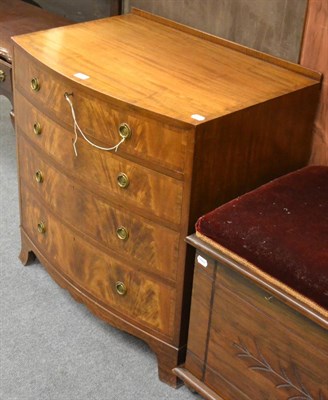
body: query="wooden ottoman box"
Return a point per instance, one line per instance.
(130, 128)
(258, 327)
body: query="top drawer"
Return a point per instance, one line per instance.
(152, 140)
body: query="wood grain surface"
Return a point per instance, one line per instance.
(215, 68)
(147, 302)
(100, 170)
(264, 342)
(69, 200)
(18, 17)
(200, 316)
(254, 345)
(100, 118)
(314, 55)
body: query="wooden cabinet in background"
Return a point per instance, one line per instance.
(18, 17)
(203, 120)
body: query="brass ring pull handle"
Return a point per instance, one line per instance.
(35, 84)
(39, 176)
(120, 288)
(123, 180)
(124, 130)
(37, 128)
(41, 227)
(122, 233)
(2, 76)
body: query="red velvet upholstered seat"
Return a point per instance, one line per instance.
(281, 228)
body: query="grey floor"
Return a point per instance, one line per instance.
(52, 348)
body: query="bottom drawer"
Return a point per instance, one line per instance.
(133, 294)
(260, 349)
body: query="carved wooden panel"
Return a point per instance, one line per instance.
(274, 26)
(260, 348)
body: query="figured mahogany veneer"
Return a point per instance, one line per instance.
(209, 120)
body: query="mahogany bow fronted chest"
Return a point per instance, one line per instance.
(191, 120)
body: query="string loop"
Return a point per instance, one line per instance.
(78, 129)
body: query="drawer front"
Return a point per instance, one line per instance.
(134, 237)
(151, 141)
(150, 192)
(262, 349)
(133, 294)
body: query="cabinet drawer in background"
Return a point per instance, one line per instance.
(150, 192)
(145, 301)
(5, 79)
(114, 227)
(152, 141)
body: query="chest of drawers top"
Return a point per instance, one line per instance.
(162, 67)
